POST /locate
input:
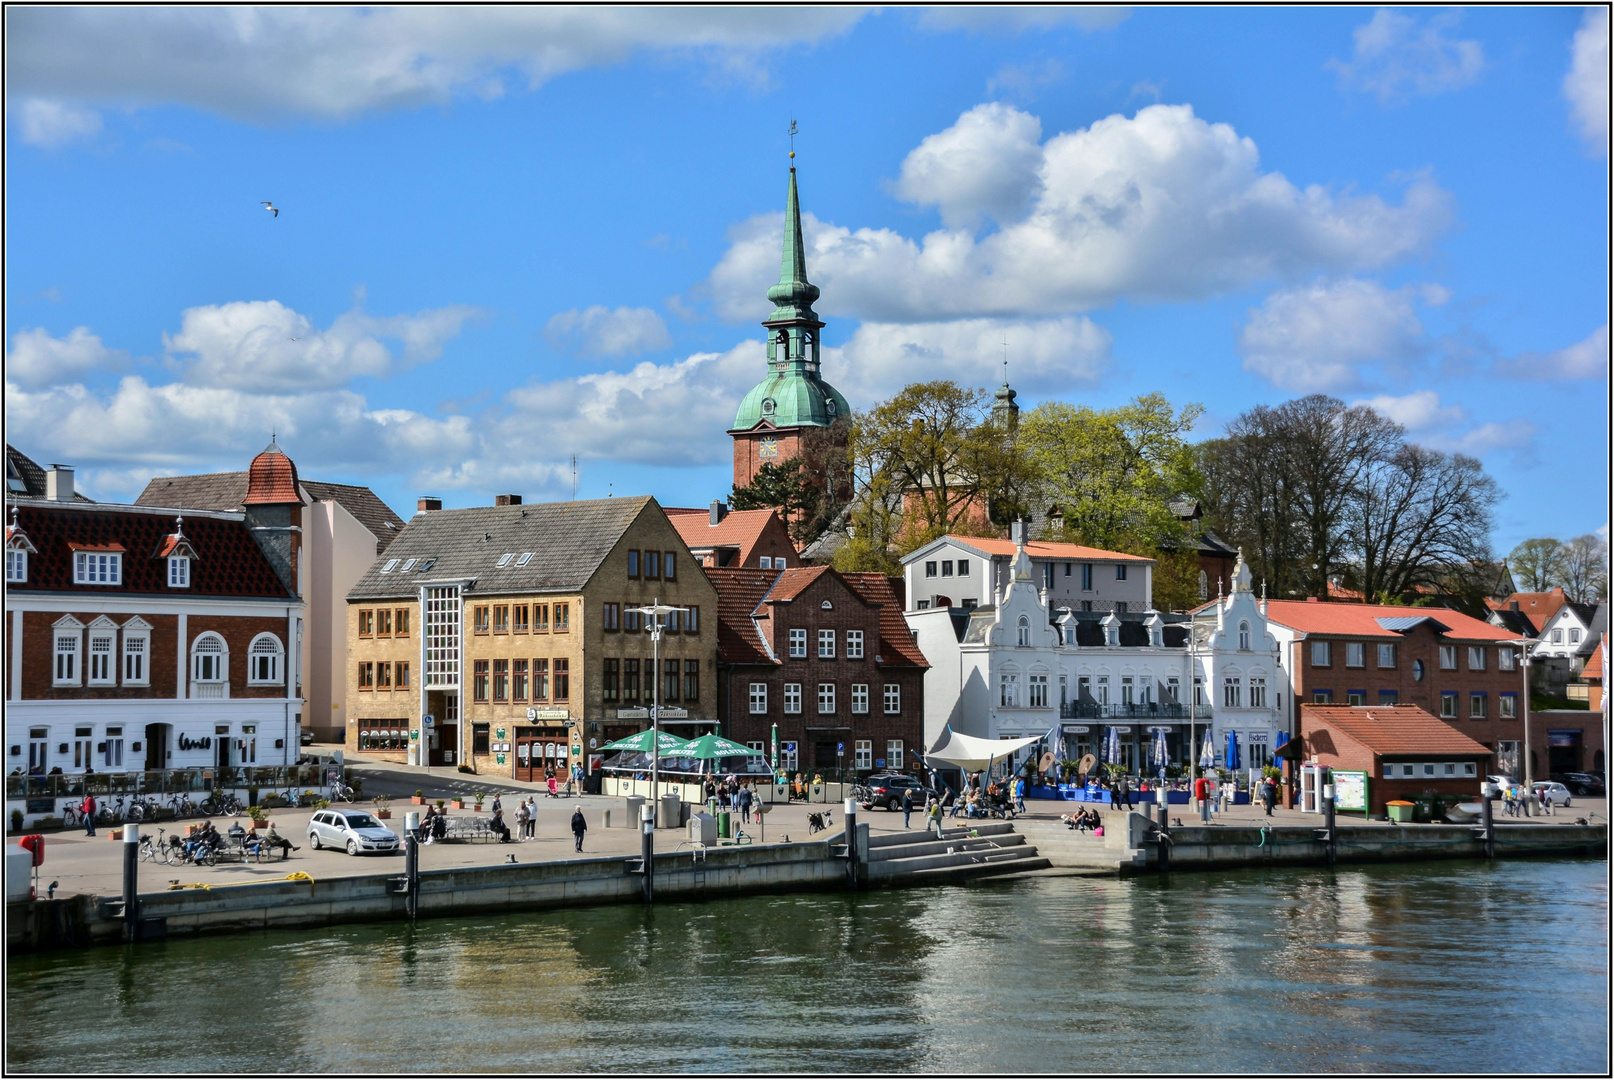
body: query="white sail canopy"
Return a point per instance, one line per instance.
(973, 754)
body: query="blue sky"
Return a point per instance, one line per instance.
(508, 236)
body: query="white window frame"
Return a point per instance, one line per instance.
(97, 568)
(199, 663)
(860, 699)
(1321, 654)
(893, 753)
(893, 698)
(1008, 690)
(16, 565)
(1478, 698)
(100, 664)
(798, 644)
(1476, 658)
(1504, 660)
(1244, 637)
(1258, 691)
(179, 572)
(1386, 649)
(1448, 652)
(863, 754)
(826, 644)
(67, 652)
(1232, 692)
(1037, 691)
(1023, 632)
(1507, 707)
(854, 644)
(277, 670)
(792, 699)
(1574, 635)
(826, 699)
(136, 654)
(759, 699)
(1355, 654)
(1448, 697)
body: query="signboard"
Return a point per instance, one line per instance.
(498, 733)
(548, 714)
(879, 763)
(633, 714)
(429, 720)
(1078, 729)
(669, 713)
(1123, 731)
(1350, 790)
(1563, 738)
(414, 734)
(840, 748)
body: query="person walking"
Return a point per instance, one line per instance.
(554, 786)
(907, 805)
(933, 812)
(579, 826)
(532, 817)
(87, 808)
(745, 805)
(1269, 795)
(1020, 795)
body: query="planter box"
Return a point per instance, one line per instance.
(417, 800)
(384, 815)
(457, 804)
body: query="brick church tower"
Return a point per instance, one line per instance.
(792, 399)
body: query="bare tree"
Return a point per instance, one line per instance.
(1538, 564)
(1585, 574)
(1418, 516)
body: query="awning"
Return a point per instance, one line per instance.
(1294, 750)
(974, 754)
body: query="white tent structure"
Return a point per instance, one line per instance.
(974, 754)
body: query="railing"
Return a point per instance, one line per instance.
(167, 781)
(1155, 710)
(210, 690)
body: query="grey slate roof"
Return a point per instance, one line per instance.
(32, 477)
(1514, 622)
(568, 541)
(224, 491)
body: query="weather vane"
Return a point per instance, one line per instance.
(792, 137)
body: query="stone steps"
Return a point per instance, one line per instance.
(979, 849)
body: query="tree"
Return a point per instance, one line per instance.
(784, 486)
(1176, 578)
(1585, 574)
(1418, 515)
(1538, 565)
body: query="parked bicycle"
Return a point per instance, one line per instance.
(340, 792)
(222, 803)
(181, 805)
(818, 822)
(72, 818)
(154, 848)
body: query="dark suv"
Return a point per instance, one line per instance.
(886, 790)
(1581, 783)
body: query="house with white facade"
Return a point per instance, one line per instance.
(968, 571)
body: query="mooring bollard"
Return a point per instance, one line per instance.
(131, 881)
(412, 863)
(647, 828)
(1328, 822)
(851, 843)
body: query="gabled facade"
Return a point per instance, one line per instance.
(720, 537)
(968, 571)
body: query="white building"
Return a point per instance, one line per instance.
(968, 571)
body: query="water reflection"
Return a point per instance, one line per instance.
(1380, 969)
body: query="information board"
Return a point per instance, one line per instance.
(1350, 790)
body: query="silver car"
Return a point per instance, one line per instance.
(355, 830)
(1555, 793)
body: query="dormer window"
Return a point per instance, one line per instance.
(526, 557)
(1244, 637)
(98, 567)
(179, 572)
(16, 565)
(1023, 636)
(179, 553)
(409, 564)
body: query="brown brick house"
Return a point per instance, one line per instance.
(719, 536)
(824, 656)
(1404, 750)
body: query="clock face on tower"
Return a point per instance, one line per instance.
(769, 448)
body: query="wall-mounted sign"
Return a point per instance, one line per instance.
(498, 733)
(594, 744)
(428, 720)
(669, 713)
(1123, 731)
(188, 743)
(1078, 729)
(414, 734)
(548, 714)
(633, 714)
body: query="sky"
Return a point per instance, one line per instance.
(508, 236)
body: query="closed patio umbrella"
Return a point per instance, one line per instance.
(1158, 756)
(1233, 750)
(1112, 746)
(1207, 753)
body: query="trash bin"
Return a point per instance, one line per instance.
(635, 812)
(724, 822)
(1399, 810)
(703, 829)
(671, 813)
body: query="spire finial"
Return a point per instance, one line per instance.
(792, 140)
(179, 524)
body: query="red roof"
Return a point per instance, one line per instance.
(1540, 606)
(740, 529)
(739, 591)
(1045, 549)
(1392, 729)
(1593, 671)
(897, 645)
(272, 478)
(793, 582)
(1360, 620)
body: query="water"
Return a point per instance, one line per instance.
(1463, 967)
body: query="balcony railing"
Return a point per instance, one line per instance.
(1092, 710)
(157, 782)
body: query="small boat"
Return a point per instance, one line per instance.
(1464, 813)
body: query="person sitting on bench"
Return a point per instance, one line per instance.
(498, 826)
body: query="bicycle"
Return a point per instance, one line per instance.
(225, 804)
(72, 818)
(154, 849)
(181, 805)
(340, 792)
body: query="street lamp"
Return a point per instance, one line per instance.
(654, 611)
(1524, 645)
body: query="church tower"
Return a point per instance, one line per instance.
(792, 400)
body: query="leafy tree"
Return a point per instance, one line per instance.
(1539, 564)
(784, 486)
(1176, 578)
(1586, 569)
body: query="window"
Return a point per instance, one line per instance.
(263, 661)
(1448, 705)
(1048, 575)
(765, 561)
(1173, 689)
(826, 699)
(366, 623)
(367, 675)
(1231, 692)
(1009, 690)
(479, 738)
(930, 569)
(383, 622)
(563, 680)
(633, 564)
(112, 752)
(401, 674)
(16, 565)
(479, 680)
(667, 571)
(630, 680)
(443, 617)
(400, 622)
(893, 754)
(1037, 686)
(501, 680)
(669, 680)
(798, 644)
(1120, 572)
(893, 698)
(860, 698)
(652, 564)
(692, 680)
(1244, 637)
(854, 644)
(135, 651)
(1476, 658)
(409, 564)
(1574, 635)
(1204, 585)
(826, 644)
(759, 698)
(540, 680)
(1023, 632)
(501, 618)
(1557, 637)
(383, 676)
(1322, 697)
(1388, 698)
(631, 619)
(1356, 698)
(792, 698)
(611, 618)
(1354, 654)
(518, 619)
(518, 680)
(97, 568)
(1508, 707)
(1068, 568)
(504, 560)
(563, 618)
(963, 567)
(1504, 659)
(479, 619)
(1476, 706)
(863, 754)
(540, 618)
(1387, 656)
(1320, 654)
(179, 572)
(1199, 690)
(1087, 577)
(947, 568)
(1258, 691)
(1448, 658)
(526, 557)
(209, 660)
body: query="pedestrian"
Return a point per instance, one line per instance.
(554, 786)
(1126, 793)
(1546, 800)
(579, 826)
(907, 805)
(532, 817)
(933, 813)
(745, 805)
(498, 807)
(1020, 795)
(87, 808)
(523, 815)
(1269, 795)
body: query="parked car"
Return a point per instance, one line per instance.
(354, 830)
(1502, 782)
(307, 737)
(1581, 783)
(1555, 793)
(886, 790)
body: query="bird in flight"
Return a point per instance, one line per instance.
(267, 205)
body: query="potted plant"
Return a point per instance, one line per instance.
(259, 818)
(477, 797)
(419, 798)
(440, 805)
(382, 808)
(322, 804)
(16, 821)
(458, 804)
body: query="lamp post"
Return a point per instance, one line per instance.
(1524, 645)
(654, 611)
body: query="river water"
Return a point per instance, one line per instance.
(1444, 967)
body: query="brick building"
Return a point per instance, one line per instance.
(719, 536)
(1404, 751)
(528, 651)
(825, 657)
(144, 638)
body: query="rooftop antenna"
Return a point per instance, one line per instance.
(574, 478)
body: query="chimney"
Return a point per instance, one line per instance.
(428, 502)
(507, 500)
(720, 511)
(59, 483)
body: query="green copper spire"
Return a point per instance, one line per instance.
(794, 295)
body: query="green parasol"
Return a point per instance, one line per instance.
(668, 744)
(715, 746)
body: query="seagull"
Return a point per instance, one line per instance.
(267, 205)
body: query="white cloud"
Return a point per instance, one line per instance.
(1519, 436)
(985, 164)
(1158, 206)
(37, 359)
(52, 123)
(1318, 336)
(1586, 85)
(1006, 18)
(257, 62)
(1417, 411)
(1586, 359)
(1395, 57)
(602, 331)
(264, 346)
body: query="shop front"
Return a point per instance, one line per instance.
(543, 745)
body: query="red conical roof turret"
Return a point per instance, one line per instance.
(272, 478)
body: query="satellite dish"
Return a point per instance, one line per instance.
(1047, 762)
(1086, 764)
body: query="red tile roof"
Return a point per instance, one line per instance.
(1540, 606)
(740, 529)
(794, 581)
(897, 646)
(1394, 729)
(1593, 671)
(739, 592)
(1046, 549)
(1360, 620)
(272, 478)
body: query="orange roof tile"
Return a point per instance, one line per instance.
(793, 582)
(271, 479)
(1393, 729)
(1540, 606)
(896, 639)
(1360, 620)
(1594, 665)
(739, 592)
(1045, 549)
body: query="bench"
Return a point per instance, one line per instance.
(236, 849)
(469, 828)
